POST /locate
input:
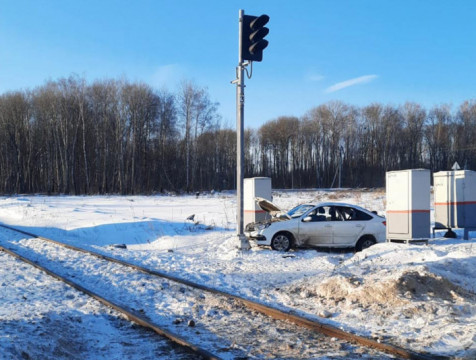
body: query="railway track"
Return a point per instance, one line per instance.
(248, 329)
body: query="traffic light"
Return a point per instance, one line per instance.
(252, 37)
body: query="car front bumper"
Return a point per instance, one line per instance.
(255, 236)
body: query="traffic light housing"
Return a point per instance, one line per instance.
(252, 37)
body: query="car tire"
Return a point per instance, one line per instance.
(365, 242)
(282, 241)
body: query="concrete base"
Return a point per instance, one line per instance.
(244, 243)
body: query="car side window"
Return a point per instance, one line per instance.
(325, 213)
(317, 214)
(334, 214)
(351, 214)
(348, 213)
(363, 216)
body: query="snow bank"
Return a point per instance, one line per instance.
(417, 296)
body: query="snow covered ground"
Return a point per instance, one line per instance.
(416, 296)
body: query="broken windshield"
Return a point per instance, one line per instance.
(299, 210)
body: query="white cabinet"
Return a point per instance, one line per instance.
(455, 199)
(252, 188)
(408, 204)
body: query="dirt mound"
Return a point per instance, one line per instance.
(418, 285)
(340, 288)
(393, 290)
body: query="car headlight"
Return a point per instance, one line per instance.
(263, 226)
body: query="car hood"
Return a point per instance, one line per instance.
(270, 208)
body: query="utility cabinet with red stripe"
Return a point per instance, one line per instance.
(253, 188)
(455, 200)
(408, 204)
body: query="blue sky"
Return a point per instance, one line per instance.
(358, 52)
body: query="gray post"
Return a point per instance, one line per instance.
(240, 154)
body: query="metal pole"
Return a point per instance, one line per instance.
(240, 154)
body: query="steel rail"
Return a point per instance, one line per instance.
(272, 312)
(136, 318)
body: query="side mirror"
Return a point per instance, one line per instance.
(307, 219)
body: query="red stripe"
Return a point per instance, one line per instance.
(456, 203)
(406, 211)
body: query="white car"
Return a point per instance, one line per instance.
(329, 224)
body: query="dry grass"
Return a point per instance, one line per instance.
(335, 196)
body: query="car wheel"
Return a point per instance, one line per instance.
(365, 242)
(282, 242)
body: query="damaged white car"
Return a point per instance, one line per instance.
(329, 224)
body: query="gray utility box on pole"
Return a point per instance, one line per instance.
(455, 200)
(408, 204)
(255, 187)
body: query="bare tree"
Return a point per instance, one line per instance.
(197, 114)
(113, 136)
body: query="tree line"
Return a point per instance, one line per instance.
(357, 145)
(114, 136)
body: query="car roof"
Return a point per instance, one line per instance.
(335, 203)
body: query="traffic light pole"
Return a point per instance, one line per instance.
(251, 35)
(240, 142)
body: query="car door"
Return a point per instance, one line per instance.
(349, 226)
(315, 228)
